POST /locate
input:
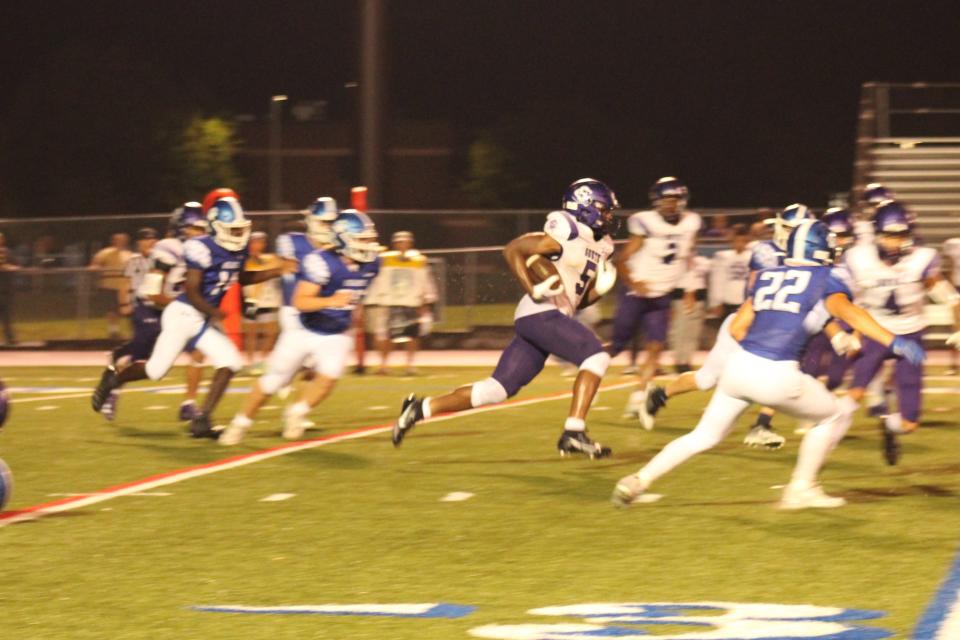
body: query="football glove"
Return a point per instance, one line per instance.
(843, 343)
(548, 288)
(606, 277)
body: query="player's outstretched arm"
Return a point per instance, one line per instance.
(520, 249)
(840, 306)
(306, 298)
(256, 277)
(622, 259)
(192, 289)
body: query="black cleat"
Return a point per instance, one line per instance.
(656, 400)
(411, 412)
(571, 442)
(108, 382)
(200, 427)
(891, 446)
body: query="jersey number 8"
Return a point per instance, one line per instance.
(781, 285)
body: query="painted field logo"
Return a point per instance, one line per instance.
(707, 621)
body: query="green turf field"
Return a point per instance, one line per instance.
(366, 524)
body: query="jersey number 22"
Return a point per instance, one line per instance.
(774, 296)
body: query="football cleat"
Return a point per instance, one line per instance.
(200, 427)
(293, 426)
(108, 382)
(411, 412)
(812, 497)
(233, 434)
(188, 411)
(891, 445)
(571, 442)
(646, 418)
(760, 436)
(632, 410)
(628, 490)
(656, 400)
(109, 408)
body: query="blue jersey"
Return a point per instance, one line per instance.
(327, 269)
(292, 246)
(786, 300)
(220, 267)
(765, 255)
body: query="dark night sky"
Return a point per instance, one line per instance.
(748, 101)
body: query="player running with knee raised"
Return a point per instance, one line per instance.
(214, 264)
(578, 242)
(892, 279)
(330, 284)
(772, 328)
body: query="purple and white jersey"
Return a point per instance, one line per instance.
(729, 274)
(787, 305)
(577, 264)
(893, 293)
(951, 250)
(221, 267)
(664, 257)
(167, 256)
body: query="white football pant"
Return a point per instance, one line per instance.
(182, 324)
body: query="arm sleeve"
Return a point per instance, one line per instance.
(316, 269)
(197, 255)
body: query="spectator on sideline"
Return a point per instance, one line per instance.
(719, 227)
(687, 313)
(261, 303)
(110, 261)
(400, 299)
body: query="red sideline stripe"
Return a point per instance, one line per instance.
(56, 505)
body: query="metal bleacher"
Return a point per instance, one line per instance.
(909, 139)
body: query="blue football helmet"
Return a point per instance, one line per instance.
(810, 243)
(355, 236)
(893, 226)
(592, 203)
(230, 226)
(189, 214)
(319, 216)
(786, 220)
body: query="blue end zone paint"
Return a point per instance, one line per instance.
(437, 611)
(939, 608)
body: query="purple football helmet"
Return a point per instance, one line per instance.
(893, 220)
(190, 214)
(668, 187)
(839, 220)
(592, 203)
(875, 193)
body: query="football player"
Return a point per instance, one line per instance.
(578, 241)
(892, 279)
(766, 254)
(214, 263)
(773, 326)
(873, 194)
(951, 251)
(331, 282)
(661, 244)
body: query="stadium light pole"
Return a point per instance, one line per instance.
(276, 141)
(371, 99)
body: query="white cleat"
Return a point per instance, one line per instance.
(646, 418)
(765, 438)
(233, 434)
(628, 490)
(293, 427)
(812, 497)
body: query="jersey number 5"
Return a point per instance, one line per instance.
(586, 276)
(774, 295)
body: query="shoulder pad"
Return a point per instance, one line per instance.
(561, 227)
(197, 253)
(637, 224)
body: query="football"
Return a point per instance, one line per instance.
(6, 484)
(540, 268)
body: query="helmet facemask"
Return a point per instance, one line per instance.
(361, 247)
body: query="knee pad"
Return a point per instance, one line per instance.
(154, 372)
(487, 391)
(705, 379)
(596, 364)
